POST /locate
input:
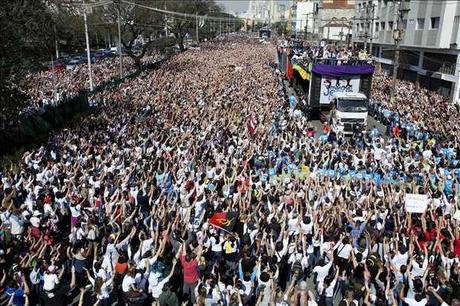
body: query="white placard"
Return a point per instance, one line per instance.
(329, 86)
(457, 215)
(416, 203)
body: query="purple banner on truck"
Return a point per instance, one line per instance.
(342, 70)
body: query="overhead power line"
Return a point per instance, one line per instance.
(173, 13)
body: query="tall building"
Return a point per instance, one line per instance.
(336, 20)
(268, 11)
(430, 54)
(329, 20)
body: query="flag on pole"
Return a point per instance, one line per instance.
(223, 220)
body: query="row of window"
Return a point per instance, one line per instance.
(419, 24)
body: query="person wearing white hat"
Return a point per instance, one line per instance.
(35, 224)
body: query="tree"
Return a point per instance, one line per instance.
(27, 40)
(181, 25)
(138, 25)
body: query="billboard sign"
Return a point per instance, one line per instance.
(332, 85)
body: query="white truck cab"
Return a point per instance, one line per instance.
(348, 112)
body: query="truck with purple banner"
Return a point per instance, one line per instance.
(331, 76)
(344, 89)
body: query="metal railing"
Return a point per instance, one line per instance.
(336, 62)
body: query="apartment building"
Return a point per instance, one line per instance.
(430, 49)
(329, 20)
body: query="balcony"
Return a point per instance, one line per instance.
(447, 69)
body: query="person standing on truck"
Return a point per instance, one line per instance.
(326, 127)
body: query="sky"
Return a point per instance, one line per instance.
(238, 6)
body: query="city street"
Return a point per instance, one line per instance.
(161, 153)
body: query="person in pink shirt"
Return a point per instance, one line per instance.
(189, 265)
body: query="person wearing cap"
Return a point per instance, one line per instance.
(35, 224)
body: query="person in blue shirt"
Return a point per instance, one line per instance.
(292, 101)
(17, 294)
(358, 227)
(374, 132)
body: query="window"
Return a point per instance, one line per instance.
(435, 22)
(390, 25)
(420, 24)
(376, 27)
(457, 19)
(382, 25)
(404, 23)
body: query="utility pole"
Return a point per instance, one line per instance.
(110, 37)
(306, 25)
(398, 36)
(220, 26)
(56, 44)
(313, 31)
(196, 28)
(372, 28)
(166, 21)
(54, 82)
(88, 51)
(366, 25)
(120, 55)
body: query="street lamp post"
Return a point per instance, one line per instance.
(88, 51)
(120, 55)
(398, 36)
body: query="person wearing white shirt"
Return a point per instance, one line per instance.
(50, 280)
(16, 224)
(418, 299)
(129, 283)
(157, 288)
(322, 271)
(102, 287)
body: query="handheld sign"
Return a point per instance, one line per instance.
(416, 203)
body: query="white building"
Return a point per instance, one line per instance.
(430, 54)
(304, 19)
(268, 11)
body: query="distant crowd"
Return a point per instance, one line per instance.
(419, 111)
(46, 87)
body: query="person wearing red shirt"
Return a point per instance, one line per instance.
(189, 265)
(396, 130)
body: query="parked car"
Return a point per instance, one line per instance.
(72, 64)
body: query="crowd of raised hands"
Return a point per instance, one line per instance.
(47, 88)
(120, 207)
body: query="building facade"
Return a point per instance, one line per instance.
(336, 20)
(430, 54)
(329, 20)
(267, 11)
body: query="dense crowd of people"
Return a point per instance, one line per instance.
(197, 184)
(53, 86)
(416, 109)
(306, 53)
